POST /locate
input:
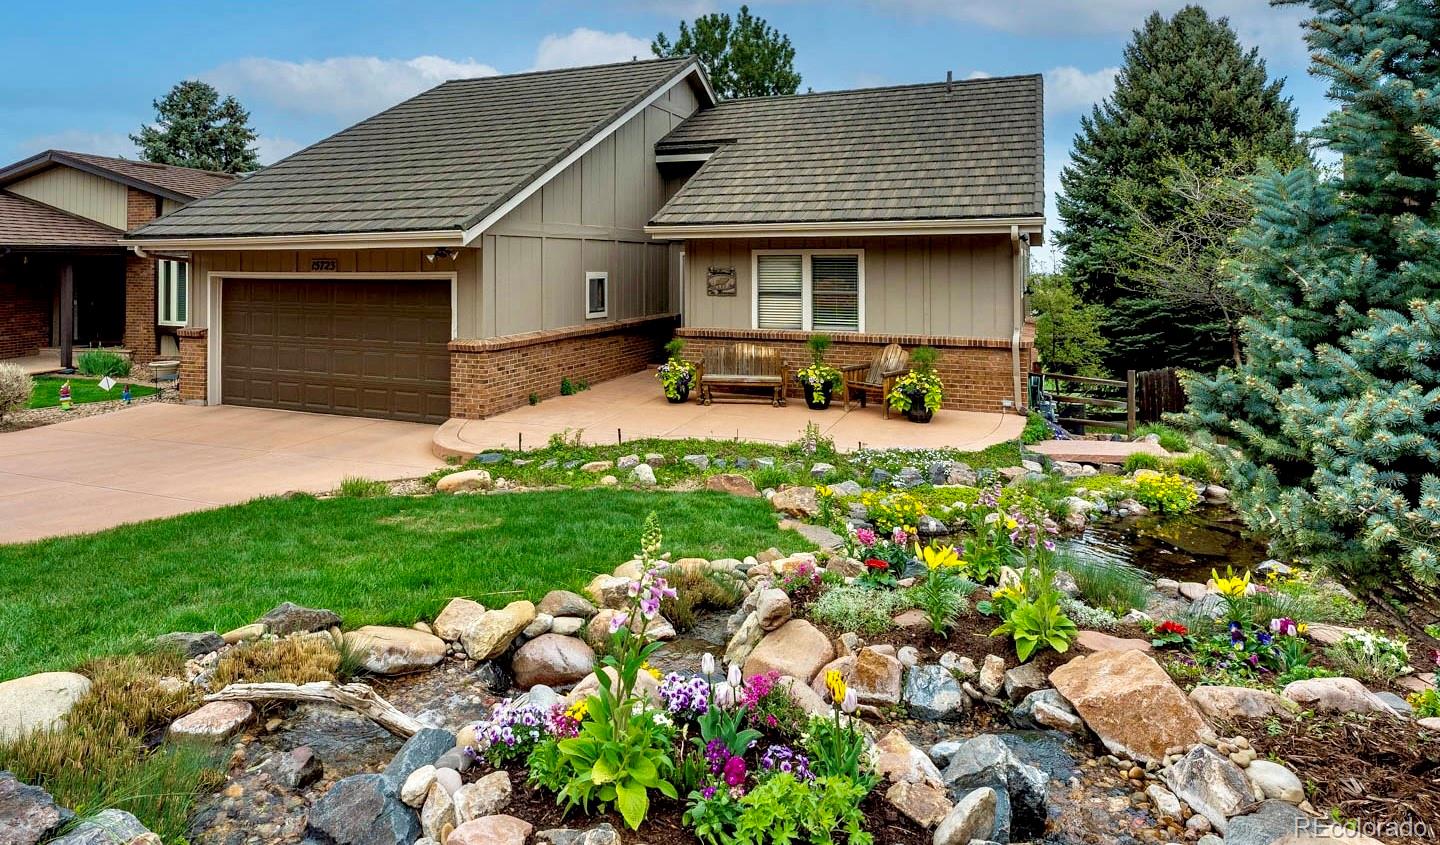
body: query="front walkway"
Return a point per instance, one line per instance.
(632, 407)
(163, 459)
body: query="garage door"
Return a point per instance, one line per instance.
(370, 348)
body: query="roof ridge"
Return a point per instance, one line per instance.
(572, 69)
(881, 88)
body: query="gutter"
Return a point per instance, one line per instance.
(1017, 285)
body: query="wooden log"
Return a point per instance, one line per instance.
(358, 697)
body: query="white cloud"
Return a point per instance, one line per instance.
(271, 148)
(589, 47)
(979, 74)
(345, 86)
(1274, 30)
(81, 141)
(1069, 88)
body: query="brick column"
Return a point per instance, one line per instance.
(140, 273)
(194, 364)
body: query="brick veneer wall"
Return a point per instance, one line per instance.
(194, 374)
(977, 372)
(24, 317)
(496, 374)
(140, 273)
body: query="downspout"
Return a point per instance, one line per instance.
(1018, 300)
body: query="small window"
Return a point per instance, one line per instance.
(810, 290)
(172, 287)
(597, 295)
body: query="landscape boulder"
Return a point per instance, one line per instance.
(106, 827)
(420, 750)
(28, 814)
(190, 643)
(1101, 641)
(1211, 784)
(553, 660)
(974, 819)
(290, 618)
(465, 481)
(560, 603)
(1275, 781)
(1047, 708)
(925, 804)
(385, 650)
(900, 762)
(38, 702)
(364, 810)
(732, 483)
(773, 608)
(492, 830)
(1129, 701)
(799, 502)
(490, 635)
(876, 678)
(932, 693)
(459, 614)
(212, 724)
(1226, 703)
(1334, 695)
(485, 797)
(795, 648)
(986, 761)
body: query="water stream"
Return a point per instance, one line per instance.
(1185, 548)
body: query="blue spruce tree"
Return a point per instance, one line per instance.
(1332, 422)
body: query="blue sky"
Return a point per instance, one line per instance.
(81, 74)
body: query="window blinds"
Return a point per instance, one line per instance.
(780, 292)
(835, 293)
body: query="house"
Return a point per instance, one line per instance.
(65, 279)
(464, 251)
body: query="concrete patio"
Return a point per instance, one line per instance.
(632, 407)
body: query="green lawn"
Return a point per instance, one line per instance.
(380, 560)
(82, 390)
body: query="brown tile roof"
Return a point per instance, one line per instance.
(27, 223)
(167, 180)
(442, 160)
(910, 153)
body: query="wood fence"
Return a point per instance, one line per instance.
(1140, 397)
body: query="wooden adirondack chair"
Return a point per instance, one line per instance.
(741, 366)
(878, 376)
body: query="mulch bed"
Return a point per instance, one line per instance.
(1383, 772)
(664, 825)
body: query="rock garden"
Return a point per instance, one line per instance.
(955, 665)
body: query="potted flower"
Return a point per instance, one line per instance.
(818, 380)
(676, 375)
(919, 392)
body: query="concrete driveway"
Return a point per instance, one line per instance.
(158, 460)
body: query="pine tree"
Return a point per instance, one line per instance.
(743, 57)
(195, 128)
(1187, 91)
(1333, 420)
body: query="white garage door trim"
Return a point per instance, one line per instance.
(215, 287)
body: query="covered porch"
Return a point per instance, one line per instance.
(632, 407)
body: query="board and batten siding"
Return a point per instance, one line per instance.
(946, 285)
(590, 218)
(360, 262)
(80, 193)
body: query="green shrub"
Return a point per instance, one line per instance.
(1036, 429)
(1168, 494)
(1142, 460)
(1196, 465)
(1171, 439)
(859, 609)
(16, 385)
(98, 362)
(355, 487)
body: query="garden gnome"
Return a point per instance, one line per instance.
(125, 394)
(65, 396)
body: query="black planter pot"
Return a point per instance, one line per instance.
(918, 411)
(817, 400)
(682, 397)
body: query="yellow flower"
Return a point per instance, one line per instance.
(1230, 585)
(835, 682)
(1010, 523)
(1301, 628)
(578, 710)
(937, 556)
(1013, 592)
(650, 670)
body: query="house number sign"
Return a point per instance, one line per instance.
(720, 281)
(321, 264)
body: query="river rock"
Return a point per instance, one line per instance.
(190, 643)
(289, 618)
(213, 723)
(1226, 703)
(30, 813)
(732, 483)
(795, 648)
(799, 502)
(1279, 823)
(1129, 701)
(491, 830)
(901, 762)
(384, 650)
(560, 603)
(38, 702)
(1213, 786)
(491, 635)
(106, 827)
(465, 481)
(553, 660)
(600, 834)
(773, 608)
(973, 819)
(608, 590)
(1023, 680)
(458, 615)
(922, 803)
(485, 797)
(1275, 781)
(1166, 804)
(804, 697)
(1047, 708)
(1193, 590)
(417, 785)
(992, 675)
(876, 678)
(364, 810)
(420, 750)
(987, 761)
(746, 638)
(598, 630)
(438, 812)
(1334, 695)
(932, 693)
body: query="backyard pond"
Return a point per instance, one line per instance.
(1185, 547)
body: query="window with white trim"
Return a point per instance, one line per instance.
(810, 290)
(597, 295)
(172, 287)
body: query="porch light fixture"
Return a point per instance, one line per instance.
(442, 252)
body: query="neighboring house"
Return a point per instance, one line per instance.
(467, 249)
(65, 278)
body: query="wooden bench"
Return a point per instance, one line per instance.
(742, 366)
(878, 376)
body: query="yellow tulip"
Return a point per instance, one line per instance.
(1230, 585)
(835, 682)
(936, 556)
